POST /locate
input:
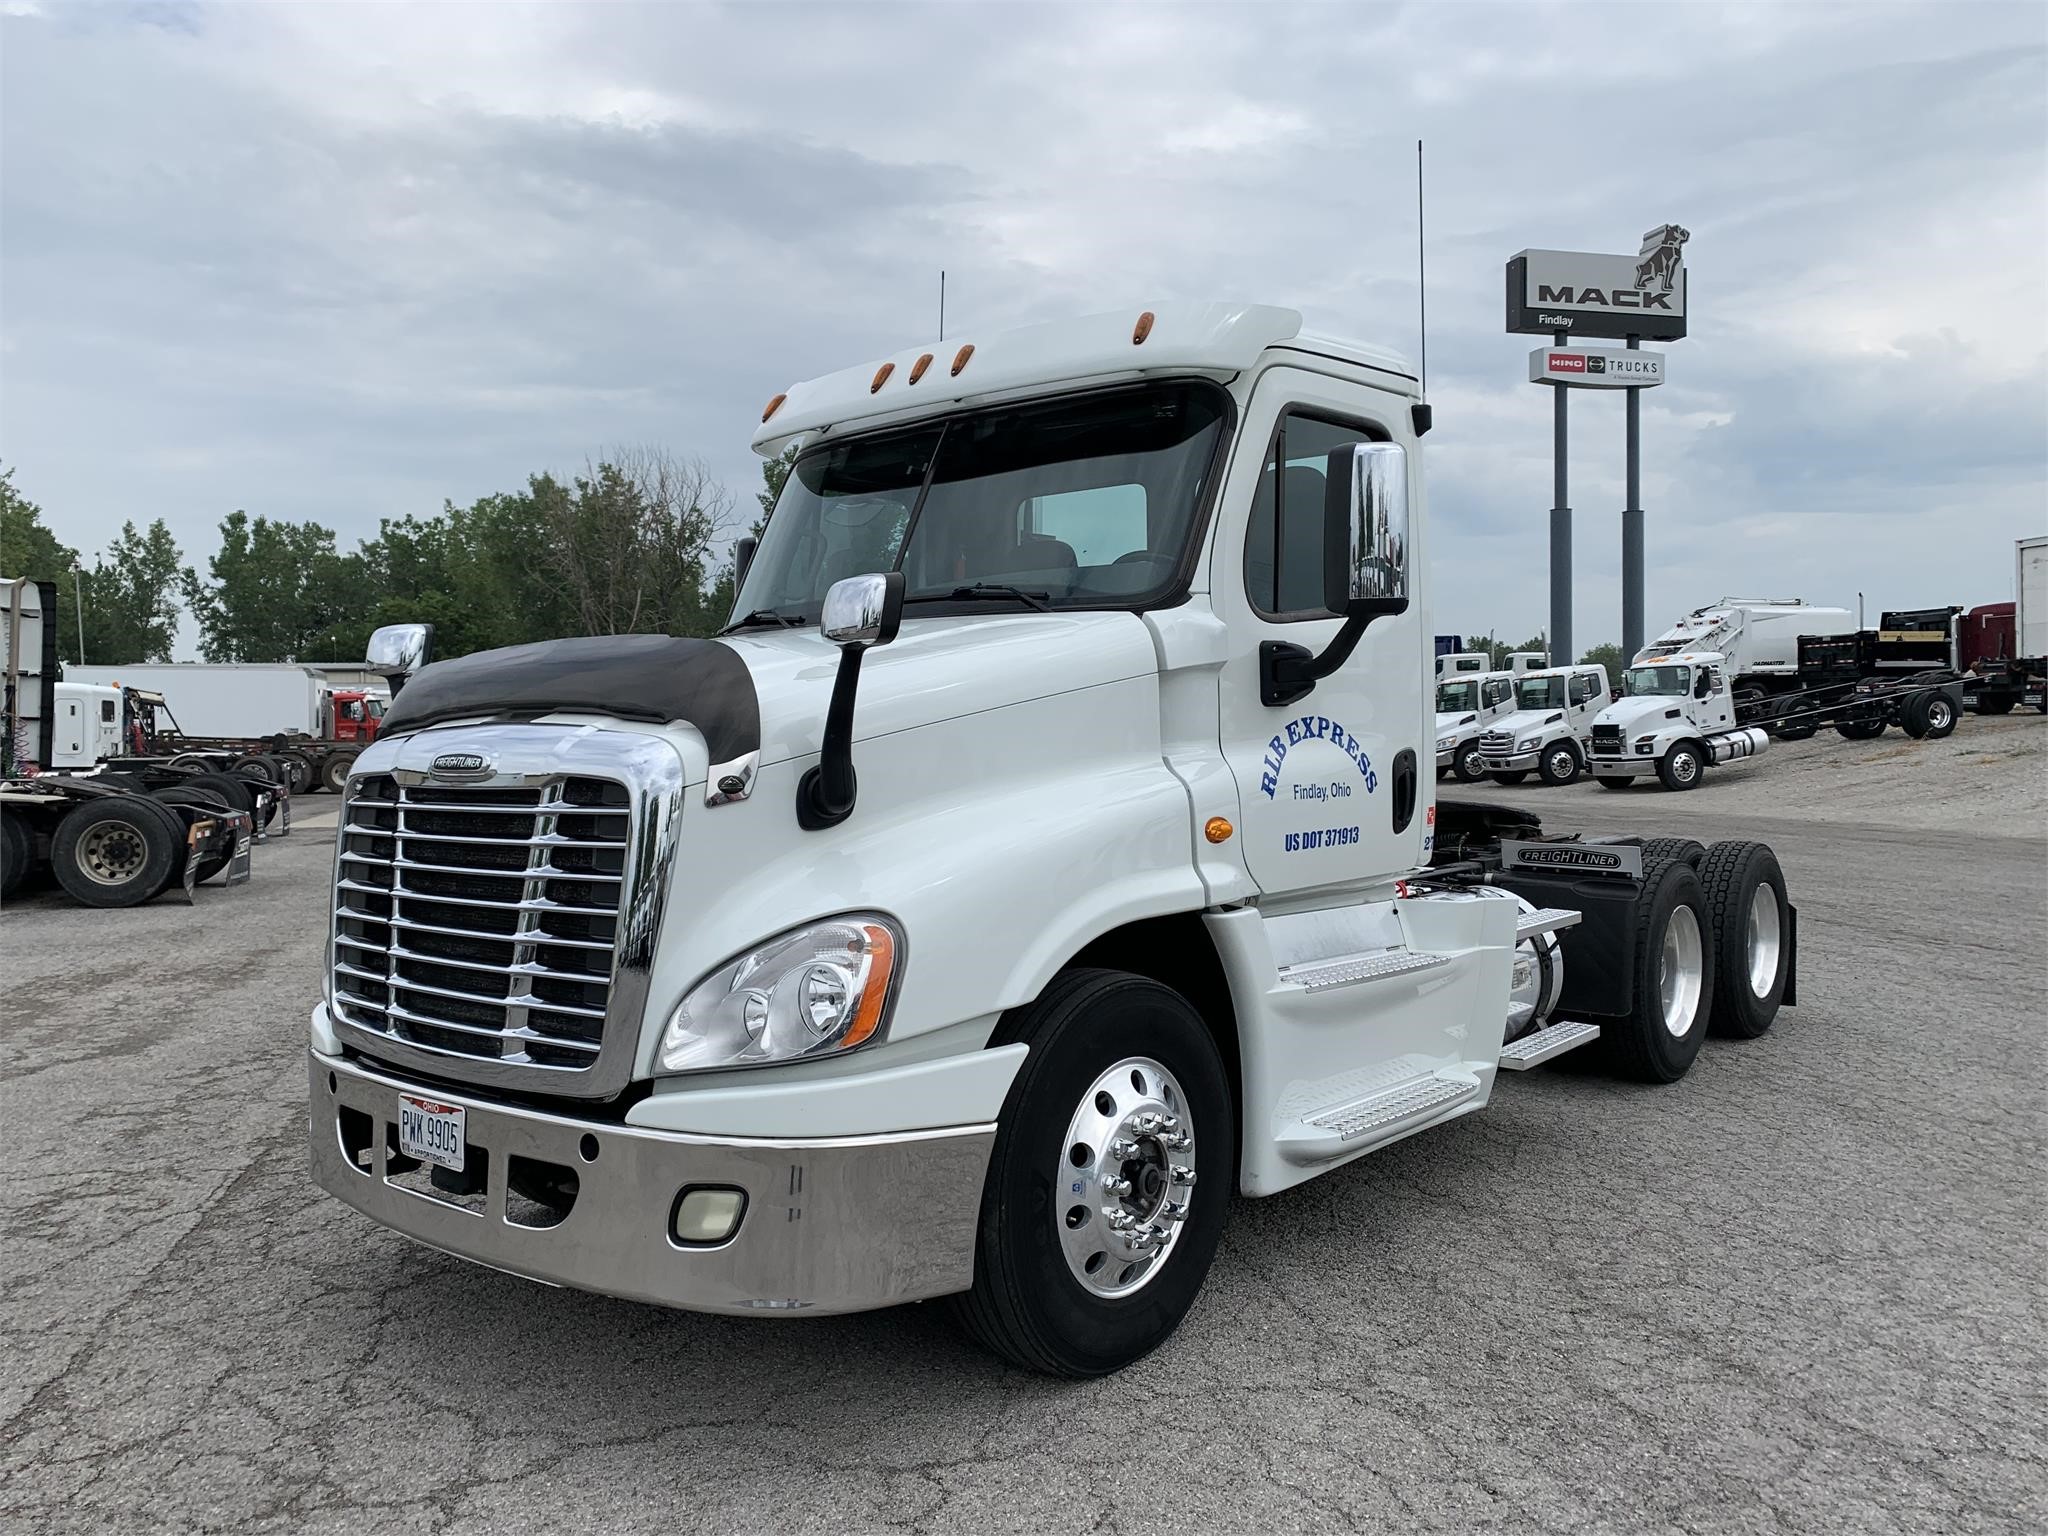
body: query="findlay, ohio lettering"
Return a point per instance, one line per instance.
(1313, 728)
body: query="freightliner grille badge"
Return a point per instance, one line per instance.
(462, 762)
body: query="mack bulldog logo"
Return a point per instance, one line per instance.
(1662, 253)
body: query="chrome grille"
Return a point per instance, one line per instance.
(1497, 743)
(482, 921)
(1607, 739)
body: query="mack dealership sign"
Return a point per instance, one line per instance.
(1584, 293)
(1583, 368)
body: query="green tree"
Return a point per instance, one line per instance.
(131, 604)
(1608, 656)
(630, 543)
(774, 475)
(29, 549)
(277, 591)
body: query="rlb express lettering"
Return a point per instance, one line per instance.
(1313, 728)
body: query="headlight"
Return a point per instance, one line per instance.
(1445, 743)
(812, 992)
(1528, 743)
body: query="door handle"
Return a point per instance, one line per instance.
(1404, 788)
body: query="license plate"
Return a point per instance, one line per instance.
(430, 1132)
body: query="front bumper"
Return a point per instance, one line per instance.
(1445, 756)
(1509, 762)
(832, 1225)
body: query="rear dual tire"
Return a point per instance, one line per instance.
(117, 851)
(1673, 982)
(1752, 918)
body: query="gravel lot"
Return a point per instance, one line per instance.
(1800, 1290)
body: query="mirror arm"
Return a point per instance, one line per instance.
(1288, 671)
(825, 794)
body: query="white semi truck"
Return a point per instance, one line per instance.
(1466, 708)
(1676, 718)
(1040, 859)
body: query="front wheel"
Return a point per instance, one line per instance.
(1559, 764)
(1681, 767)
(1466, 765)
(1096, 1232)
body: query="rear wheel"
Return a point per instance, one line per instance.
(257, 766)
(115, 852)
(206, 798)
(1995, 703)
(1560, 763)
(1859, 730)
(1466, 765)
(1681, 767)
(1674, 979)
(1511, 776)
(231, 787)
(1752, 922)
(17, 852)
(1095, 1235)
(1939, 714)
(300, 767)
(334, 771)
(1688, 850)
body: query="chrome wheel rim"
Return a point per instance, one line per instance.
(111, 853)
(1764, 940)
(1939, 714)
(1680, 973)
(1684, 767)
(1125, 1178)
(1473, 767)
(1561, 765)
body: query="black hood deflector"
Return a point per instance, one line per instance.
(657, 678)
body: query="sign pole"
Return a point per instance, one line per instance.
(1560, 530)
(1632, 529)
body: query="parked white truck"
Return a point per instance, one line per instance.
(1550, 730)
(1676, 718)
(1040, 859)
(1466, 708)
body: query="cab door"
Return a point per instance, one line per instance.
(1329, 787)
(1585, 697)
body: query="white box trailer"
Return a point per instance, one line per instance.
(2030, 598)
(229, 699)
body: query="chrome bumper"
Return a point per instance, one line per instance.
(1510, 762)
(1445, 756)
(840, 1225)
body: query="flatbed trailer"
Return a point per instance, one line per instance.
(1859, 685)
(109, 845)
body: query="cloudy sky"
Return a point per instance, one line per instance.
(341, 262)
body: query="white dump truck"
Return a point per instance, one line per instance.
(1549, 733)
(1466, 708)
(1675, 719)
(1040, 859)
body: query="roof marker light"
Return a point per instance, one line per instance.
(917, 368)
(774, 406)
(960, 358)
(1142, 329)
(881, 376)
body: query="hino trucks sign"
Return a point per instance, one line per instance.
(1583, 293)
(1583, 368)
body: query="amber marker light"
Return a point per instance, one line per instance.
(774, 406)
(875, 991)
(917, 368)
(1218, 830)
(881, 376)
(1142, 329)
(960, 358)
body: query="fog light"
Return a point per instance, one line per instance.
(704, 1216)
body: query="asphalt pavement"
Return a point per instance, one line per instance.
(1799, 1291)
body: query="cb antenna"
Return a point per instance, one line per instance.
(1421, 273)
(942, 303)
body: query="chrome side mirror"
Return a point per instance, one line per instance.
(1367, 500)
(399, 647)
(863, 610)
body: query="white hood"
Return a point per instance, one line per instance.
(1455, 719)
(1648, 710)
(1525, 722)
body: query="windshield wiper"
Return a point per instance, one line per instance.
(986, 589)
(764, 616)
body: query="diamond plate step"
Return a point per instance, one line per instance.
(1545, 920)
(1353, 969)
(1408, 1102)
(1552, 1040)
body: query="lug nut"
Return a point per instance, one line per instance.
(1112, 1185)
(1183, 1174)
(1180, 1141)
(1119, 1221)
(1174, 1211)
(1123, 1149)
(1169, 1123)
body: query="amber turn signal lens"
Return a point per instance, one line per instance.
(960, 358)
(773, 406)
(1142, 329)
(917, 368)
(881, 965)
(881, 376)
(1218, 830)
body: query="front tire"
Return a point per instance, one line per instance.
(1681, 767)
(1123, 1093)
(1466, 767)
(1559, 764)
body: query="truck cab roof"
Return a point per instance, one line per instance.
(1215, 340)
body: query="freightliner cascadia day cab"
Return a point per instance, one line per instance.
(1042, 856)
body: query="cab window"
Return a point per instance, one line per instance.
(106, 711)
(1283, 553)
(1584, 687)
(1495, 691)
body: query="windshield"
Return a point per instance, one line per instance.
(1087, 502)
(376, 709)
(1451, 698)
(1540, 693)
(1664, 682)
